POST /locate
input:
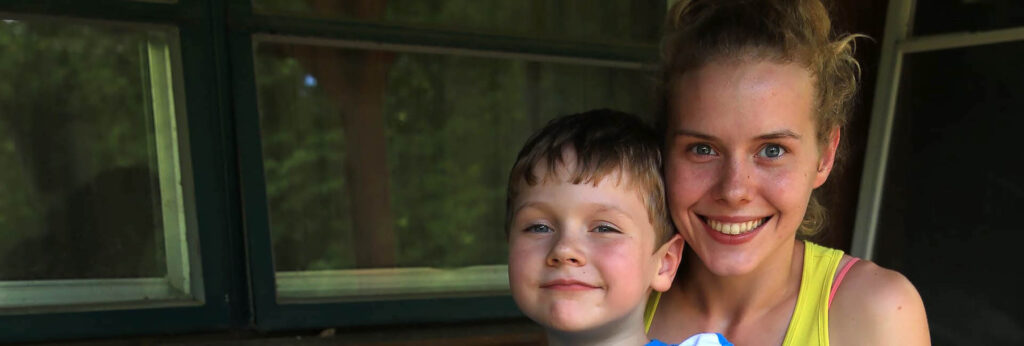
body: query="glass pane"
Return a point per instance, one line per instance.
(91, 186)
(953, 190)
(631, 20)
(946, 16)
(398, 160)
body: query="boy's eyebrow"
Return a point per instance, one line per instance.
(598, 207)
(606, 208)
(784, 133)
(525, 205)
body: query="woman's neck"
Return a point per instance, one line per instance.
(737, 296)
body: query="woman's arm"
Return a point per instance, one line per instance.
(877, 306)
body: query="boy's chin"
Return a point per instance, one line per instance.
(569, 326)
(575, 321)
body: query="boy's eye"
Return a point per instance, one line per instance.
(606, 229)
(703, 149)
(539, 229)
(772, 151)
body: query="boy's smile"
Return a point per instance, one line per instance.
(582, 256)
(568, 285)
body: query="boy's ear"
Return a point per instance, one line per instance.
(668, 257)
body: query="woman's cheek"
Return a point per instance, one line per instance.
(687, 181)
(787, 186)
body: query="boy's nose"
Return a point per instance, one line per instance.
(565, 253)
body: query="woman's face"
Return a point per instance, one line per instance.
(742, 159)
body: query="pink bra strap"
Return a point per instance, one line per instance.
(839, 279)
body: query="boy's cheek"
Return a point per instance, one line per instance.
(520, 257)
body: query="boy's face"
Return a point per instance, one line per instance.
(581, 257)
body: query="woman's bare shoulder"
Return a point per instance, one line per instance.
(877, 306)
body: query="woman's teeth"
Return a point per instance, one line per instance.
(736, 228)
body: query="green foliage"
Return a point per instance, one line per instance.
(304, 163)
(73, 107)
(454, 125)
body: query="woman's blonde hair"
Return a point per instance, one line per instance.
(797, 31)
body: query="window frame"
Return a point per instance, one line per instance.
(898, 41)
(214, 212)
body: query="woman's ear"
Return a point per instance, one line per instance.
(828, 157)
(668, 257)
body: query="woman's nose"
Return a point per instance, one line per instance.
(566, 251)
(736, 182)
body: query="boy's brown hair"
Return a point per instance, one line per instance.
(605, 142)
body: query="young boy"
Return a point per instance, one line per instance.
(589, 237)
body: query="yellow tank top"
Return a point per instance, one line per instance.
(809, 325)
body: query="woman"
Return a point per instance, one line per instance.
(755, 94)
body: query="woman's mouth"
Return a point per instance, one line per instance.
(734, 228)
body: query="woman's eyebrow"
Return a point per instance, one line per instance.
(779, 134)
(785, 133)
(691, 133)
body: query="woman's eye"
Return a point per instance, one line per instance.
(703, 149)
(539, 229)
(772, 151)
(606, 229)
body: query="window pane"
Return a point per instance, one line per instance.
(390, 160)
(91, 186)
(631, 20)
(953, 190)
(946, 16)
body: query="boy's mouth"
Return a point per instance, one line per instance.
(568, 285)
(734, 228)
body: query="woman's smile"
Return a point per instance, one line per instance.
(734, 227)
(732, 230)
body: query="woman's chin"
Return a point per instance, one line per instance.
(727, 263)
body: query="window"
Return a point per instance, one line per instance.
(94, 209)
(386, 170)
(941, 181)
(378, 192)
(112, 223)
(193, 165)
